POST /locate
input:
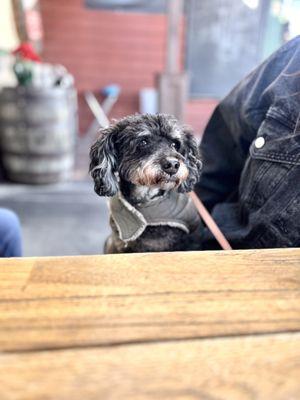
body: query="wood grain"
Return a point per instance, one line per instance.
(260, 368)
(51, 303)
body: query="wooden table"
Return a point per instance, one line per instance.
(210, 325)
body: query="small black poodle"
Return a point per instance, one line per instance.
(146, 164)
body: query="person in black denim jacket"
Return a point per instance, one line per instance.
(251, 150)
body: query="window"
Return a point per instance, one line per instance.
(129, 5)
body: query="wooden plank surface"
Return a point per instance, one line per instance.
(52, 303)
(248, 368)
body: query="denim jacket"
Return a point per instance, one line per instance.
(251, 150)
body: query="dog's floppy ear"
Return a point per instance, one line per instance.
(192, 160)
(103, 163)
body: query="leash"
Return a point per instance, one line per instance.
(212, 226)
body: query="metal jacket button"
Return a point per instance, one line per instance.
(259, 142)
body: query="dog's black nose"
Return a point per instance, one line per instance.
(170, 165)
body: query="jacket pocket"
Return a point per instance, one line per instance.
(273, 155)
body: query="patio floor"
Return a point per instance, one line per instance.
(60, 219)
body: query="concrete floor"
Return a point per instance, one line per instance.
(60, 219)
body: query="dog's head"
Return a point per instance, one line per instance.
(147, 150)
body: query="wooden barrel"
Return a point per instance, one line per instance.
(38, 128)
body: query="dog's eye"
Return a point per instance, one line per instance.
(175, 145)
(143, 143)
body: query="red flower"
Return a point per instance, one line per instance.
(26, 51)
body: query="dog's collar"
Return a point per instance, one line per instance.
(175, 210)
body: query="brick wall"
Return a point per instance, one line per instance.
(104, 47)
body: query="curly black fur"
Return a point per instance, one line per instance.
(130, 155)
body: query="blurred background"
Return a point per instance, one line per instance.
(68, 67)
